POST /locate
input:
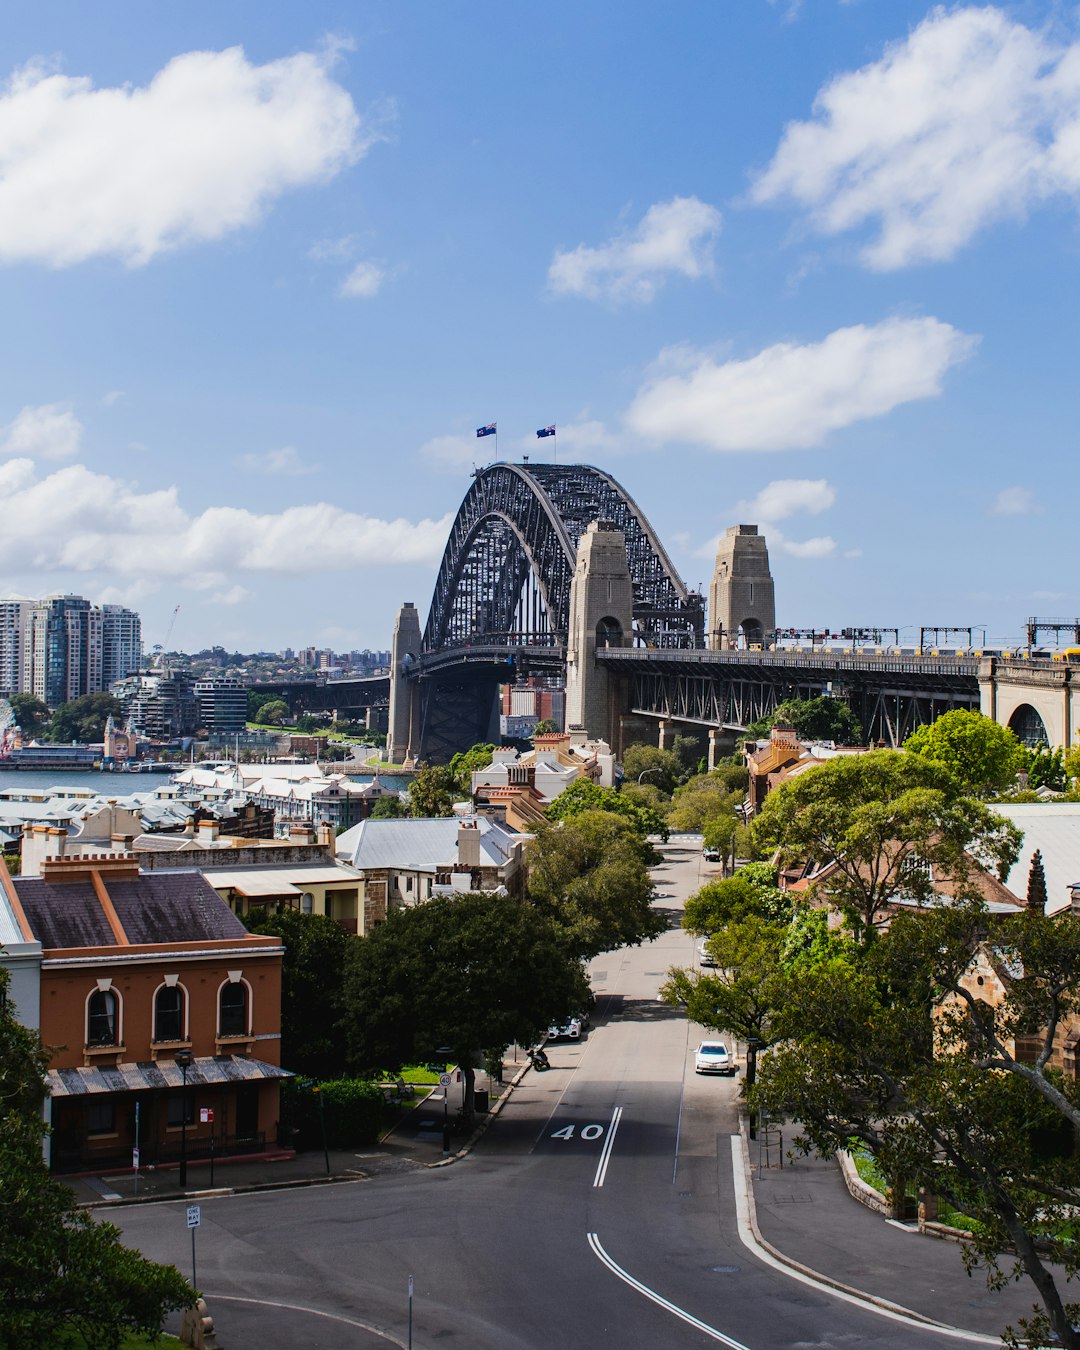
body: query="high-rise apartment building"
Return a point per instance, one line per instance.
(13, 614)
(69, 647)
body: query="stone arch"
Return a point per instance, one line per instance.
(609, 633)
(752, 632)
(1027, 725)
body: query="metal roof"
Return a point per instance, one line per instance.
(1053, 828)
(147, 1075)
(422, 844)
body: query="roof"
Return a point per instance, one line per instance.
(155, 907)
(1054, 829)
(162, 1073)
(284, 880)
(422, 845)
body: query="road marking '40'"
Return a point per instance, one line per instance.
(589, 1132)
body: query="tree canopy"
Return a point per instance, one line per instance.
(892, 825)
(313, 970)
(705, 798)
(465, 973)
(273, 712)
(589, 875)
(719, 903)
(84, 718)
(982, 756)
(60, 1270)
(820, 719)
(653, 766)
(433, 791)
(31, 715)
(465, 762)
(583, 795)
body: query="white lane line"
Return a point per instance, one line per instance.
(314, 1312)
(598, 1251)
(605, 1152)
(750, 1240)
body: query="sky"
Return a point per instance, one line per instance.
(264, 269)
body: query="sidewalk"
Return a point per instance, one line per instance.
(805, 1213)
(415, 1140)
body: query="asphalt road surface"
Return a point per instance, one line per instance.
(598, 1211)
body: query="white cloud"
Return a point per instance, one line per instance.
(235, 595)
(785, 497)
(1014, 501)
(791, 396)
(973, 119)
(49, 431)
(333, 250)
(200, 151)
(112, 398)
(285, 463)
(674, 236)
(819, 547)
(364, 281)
(79, 521)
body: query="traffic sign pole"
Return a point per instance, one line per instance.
(194, 1218)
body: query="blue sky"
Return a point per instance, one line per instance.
(265, 268)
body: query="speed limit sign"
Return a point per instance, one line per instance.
(444, 1080)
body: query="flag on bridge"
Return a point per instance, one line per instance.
(489, 430)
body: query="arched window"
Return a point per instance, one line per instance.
(233, 1009)
(169, 1013)
(103, 1018)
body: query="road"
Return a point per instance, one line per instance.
(599, 1210)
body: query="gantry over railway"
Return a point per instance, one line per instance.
(555, 570)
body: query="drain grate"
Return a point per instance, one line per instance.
(724, 1270)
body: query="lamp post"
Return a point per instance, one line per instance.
(183, 1059)
(642, 774)
(753, 1045)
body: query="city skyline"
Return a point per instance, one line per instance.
(804, 266)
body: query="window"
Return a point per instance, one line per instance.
(177, 1103)
(307, 903)
(102, 1018)
(101, 1117)
(233, 1010)
(169, 1014)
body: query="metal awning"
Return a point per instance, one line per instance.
(155, 1075)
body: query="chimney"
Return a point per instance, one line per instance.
(1036, 887)
(123, 843)
(300, 832)
(207, 832)
(468, 845)
(39, 842)
(325, 834)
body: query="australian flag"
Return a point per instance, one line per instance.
(546, 431)
(489, 430)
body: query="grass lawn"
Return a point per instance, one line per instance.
(130, 1342)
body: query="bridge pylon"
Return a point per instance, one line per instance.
(742, 600)
(403, 742)
(601, 615)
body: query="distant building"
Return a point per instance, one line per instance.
(223, 705)
(68, 647)
(159, 704)
(556, 761)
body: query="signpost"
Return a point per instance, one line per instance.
(444, 1082)
(135, 1150)
(194, 1218)
(410, 1312)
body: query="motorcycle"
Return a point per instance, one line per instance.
(538, 1059)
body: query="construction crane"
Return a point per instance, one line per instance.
(161, 647)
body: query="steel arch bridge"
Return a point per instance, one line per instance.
(506, 571)
(501, 605)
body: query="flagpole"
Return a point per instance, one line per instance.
(555, 448)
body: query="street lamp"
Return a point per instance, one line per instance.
(183, 1059)
(642, 774)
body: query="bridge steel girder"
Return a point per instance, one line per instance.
(734, 690)
(522, 518)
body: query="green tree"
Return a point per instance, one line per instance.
(274, 712)
(892, 824)
(1070, 763)
(545, 727)
(719, 903)
(31, 715)
(466, 973)
(589, 874)
(312, 989)
(256, 699)
(1045, 768)
(654, 767)
(820, 719)
(982, 756)
(433, 791)
(858, 1057)
(84, 718)
(389, 808)
(582, 795)
(60, 1271)
(466, 761)
(702, 799)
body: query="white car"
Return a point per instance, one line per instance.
(570, 1030)
(713, 1057)
(705, 957)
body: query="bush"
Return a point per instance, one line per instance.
(352, 1108)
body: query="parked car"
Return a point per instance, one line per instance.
(705, 957)
(711, 854)
(713, 1057)
(570, 1030)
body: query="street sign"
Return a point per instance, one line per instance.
(194, 1216)
(206, 1115)
(444, 1080)
(135, 1158)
